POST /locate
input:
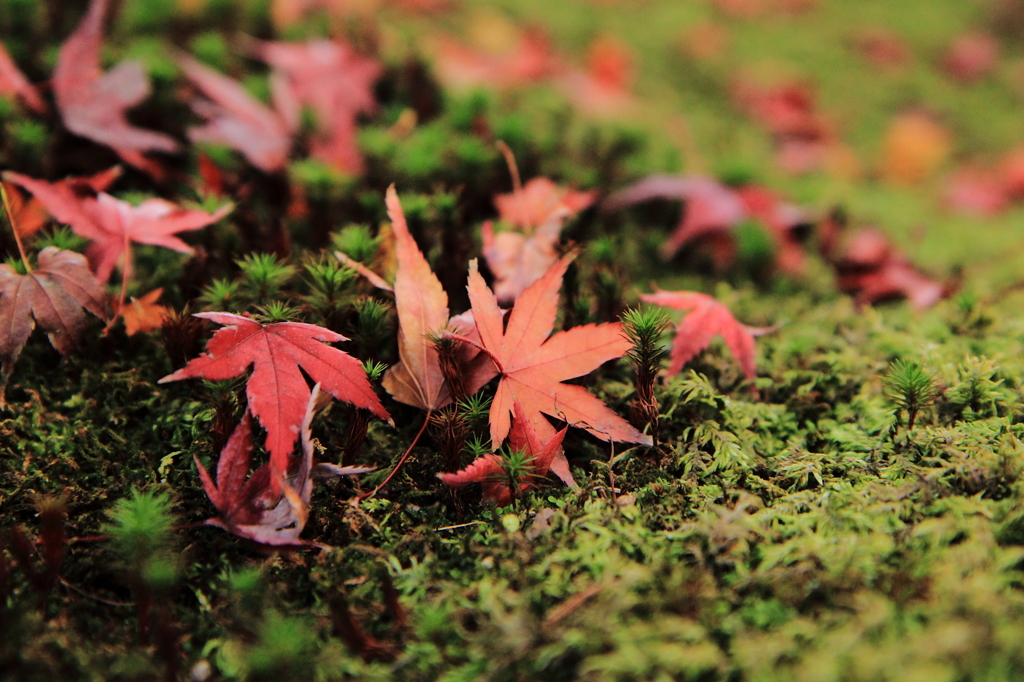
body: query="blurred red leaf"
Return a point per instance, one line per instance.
(64, 199)
(461, 67)
(883, 49)
(93, 104)
(604, 88)
(712, 210)
(805, 139)
(154, 221)
(518, 257)
(110, 223)
(975, 190)
(14, 83)
(237, 119)
(336, 83)
(971, 57)
(869, 268)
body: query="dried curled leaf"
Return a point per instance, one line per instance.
(251, 506)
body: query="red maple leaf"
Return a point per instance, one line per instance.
(13, 82)
(237, 119)
(490, 470)
(707, 319)
(249, 506)
(93, 103)
(533, 366)
(56, 295)
(276, 389)
(336, 83)
(712, 211)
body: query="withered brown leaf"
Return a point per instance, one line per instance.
(55, 295)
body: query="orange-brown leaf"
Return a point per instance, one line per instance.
(422, 311)
(13, 82)
(27, 216)
(144, 314)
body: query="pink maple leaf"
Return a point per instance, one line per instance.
(250, 506)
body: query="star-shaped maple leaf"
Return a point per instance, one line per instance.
(707, 319)
(56, 295)
(93, 103)
(113, 224)
(63, 199)
(276, 389)
(533, 366)
(154, 222)
(490, 470)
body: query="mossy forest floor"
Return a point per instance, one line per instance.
(799, 532)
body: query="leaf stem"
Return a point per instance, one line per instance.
(14, 227)
(126, 271)
(401, 460)
(517, 182)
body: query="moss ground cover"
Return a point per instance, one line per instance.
(809, 529)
